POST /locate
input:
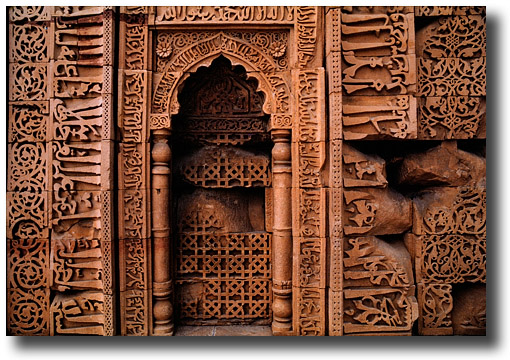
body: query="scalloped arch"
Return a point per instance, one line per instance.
(165, 95)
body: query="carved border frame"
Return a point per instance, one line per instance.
(298, 159)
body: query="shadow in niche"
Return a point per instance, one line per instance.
(221, 169)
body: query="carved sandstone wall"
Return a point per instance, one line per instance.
(319, 169)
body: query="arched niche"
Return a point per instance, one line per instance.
(165, 111)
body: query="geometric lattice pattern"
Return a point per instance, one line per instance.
(206, 255)
(231, 269)
(227, 173)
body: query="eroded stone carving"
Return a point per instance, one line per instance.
(80, 313)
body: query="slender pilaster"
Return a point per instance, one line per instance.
(162, 282)
(282, 233)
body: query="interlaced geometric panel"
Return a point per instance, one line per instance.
(226, 172)
(205, 255)
(222, 275)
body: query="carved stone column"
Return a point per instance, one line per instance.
(282, 233)
(161, 225)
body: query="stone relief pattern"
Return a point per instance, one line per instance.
(436, 309)
(309, 278)
(28, 266)
(177, 45)
(335, 246)
(80, 182)
(381, 117)
(173, 14)
(24, 14)
(28, 121)
(451, 239)
(449, 243)
(455, 37)
(134, 222)
(449, 10)
(377, 53)
(28, 294)
(378, 286)
(451, 117)
(233, 268)
(452, 73)
(307, 18)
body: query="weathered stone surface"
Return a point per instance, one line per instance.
(372, 211)
(281, 170)
(444, 165)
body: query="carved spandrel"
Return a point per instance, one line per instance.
(379, 310)
(281, 90)
(28, 81)
(451, 117)
(28, 121)
(28, 43)
(452, 77)
(76, 265)
(197, 14)
(81, 313)
(453, 37)
(361, 170)
(385, 75)
(28, 311)
(378, 34)
(267, 52)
